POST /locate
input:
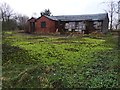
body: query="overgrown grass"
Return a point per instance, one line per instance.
(31, 61)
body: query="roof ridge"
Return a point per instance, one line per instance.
(81, 14)
(99, 16)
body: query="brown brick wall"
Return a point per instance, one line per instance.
(50, 25)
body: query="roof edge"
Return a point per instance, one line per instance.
(31, 18)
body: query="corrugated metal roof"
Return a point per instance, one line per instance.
(79, 17)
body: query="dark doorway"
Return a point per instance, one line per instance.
(32, 26)
(86, 31)
(89, 27)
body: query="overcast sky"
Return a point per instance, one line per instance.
(57, 7)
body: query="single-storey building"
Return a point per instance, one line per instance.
(67, 23)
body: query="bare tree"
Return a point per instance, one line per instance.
(6, 12)
(2, 11)
(21, 20)
(10, 20)
(115, 23)
(112, 9)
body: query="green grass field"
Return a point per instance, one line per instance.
(47, 61)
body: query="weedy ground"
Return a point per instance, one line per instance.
(37, 61)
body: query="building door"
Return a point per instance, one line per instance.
(32, 26)
(89, 27)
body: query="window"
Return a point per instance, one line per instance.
(70, 25)
(81, 26)
(67, 26)
(43, 24)
(97, 25)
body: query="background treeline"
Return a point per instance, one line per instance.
(11, 20)
(14, 21)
